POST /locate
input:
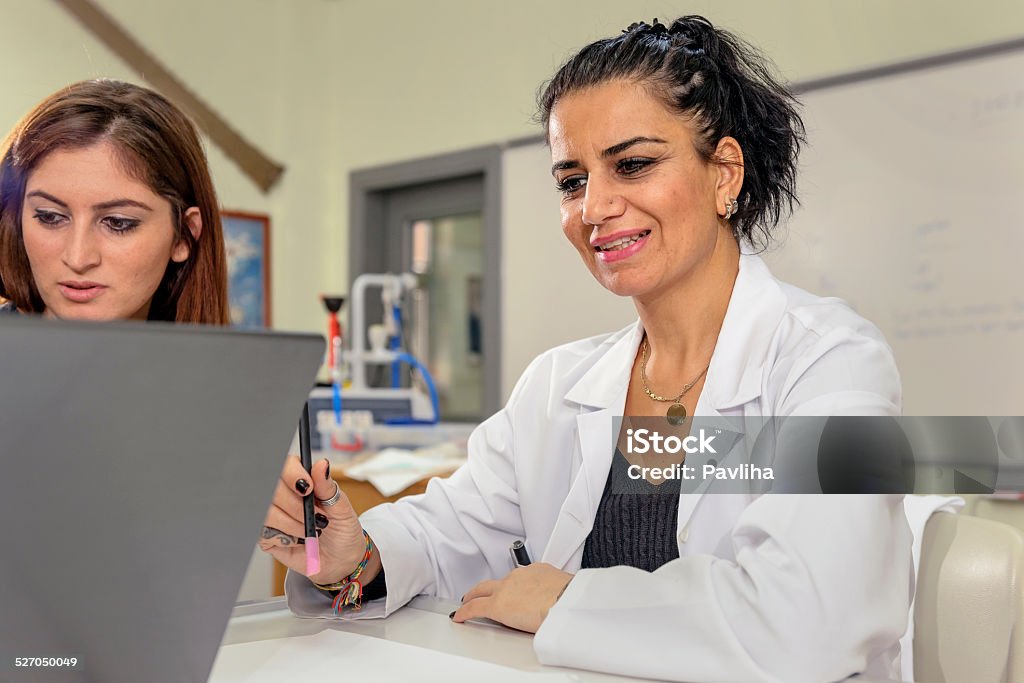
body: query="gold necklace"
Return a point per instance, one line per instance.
(676, 412)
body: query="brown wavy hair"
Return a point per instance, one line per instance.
(159, 146)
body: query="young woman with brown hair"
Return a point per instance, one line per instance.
(107, 211)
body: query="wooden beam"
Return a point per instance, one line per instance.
(261, 170)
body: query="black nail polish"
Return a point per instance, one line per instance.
(302, 486)
(320, 521)
(318, 532)
(452, 615)
(302, 541)
(462, 599)
(327, 472)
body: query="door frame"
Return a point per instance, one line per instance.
(368, 189)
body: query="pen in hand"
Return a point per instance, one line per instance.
(308, 512)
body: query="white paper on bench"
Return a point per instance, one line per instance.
(337, 655)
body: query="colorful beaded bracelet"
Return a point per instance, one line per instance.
(351, 589)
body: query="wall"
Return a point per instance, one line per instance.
(425, 78)
(328, 86)
(889, 188)
(261, 64)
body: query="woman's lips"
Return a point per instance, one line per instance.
(616, 255)
(80, 293)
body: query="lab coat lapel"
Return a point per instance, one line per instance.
(739, 363)
(735, 377)
(576, 517)
(740, 360)
(601, 396)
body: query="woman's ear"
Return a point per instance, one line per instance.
(182, 249)
(729, 162)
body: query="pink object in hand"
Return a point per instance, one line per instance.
(312, 556)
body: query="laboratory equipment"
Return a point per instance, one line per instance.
(355, 416)
(333, 305)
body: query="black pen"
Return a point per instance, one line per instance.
(308, 513)
(520, 556)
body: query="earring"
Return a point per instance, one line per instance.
(731, 208)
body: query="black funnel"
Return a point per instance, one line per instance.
(333, 303)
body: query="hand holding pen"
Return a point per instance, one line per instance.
(337, 527)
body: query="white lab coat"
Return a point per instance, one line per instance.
(773, 588)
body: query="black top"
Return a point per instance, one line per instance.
(377, 588)
(7, 307)
(635, 523)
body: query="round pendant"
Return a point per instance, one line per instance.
(676, 414)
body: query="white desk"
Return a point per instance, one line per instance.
(423, 623)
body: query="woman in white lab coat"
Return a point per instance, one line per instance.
(672, 148)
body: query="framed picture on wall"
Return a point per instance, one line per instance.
(247, 241)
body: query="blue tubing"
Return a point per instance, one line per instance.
(393, 345)
(406, 358)
(336, 401)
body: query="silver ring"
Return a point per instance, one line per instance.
(333, 499)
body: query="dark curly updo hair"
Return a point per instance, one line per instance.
(720, 82)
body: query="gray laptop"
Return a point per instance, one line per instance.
(137, 462)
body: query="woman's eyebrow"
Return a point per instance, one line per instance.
(623, 146)
(102, 206)
(611, 151)
(562, 165)
(115, 203)
(47, 196)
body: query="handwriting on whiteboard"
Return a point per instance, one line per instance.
(991, 317)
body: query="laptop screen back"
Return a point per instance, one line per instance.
(138, 462)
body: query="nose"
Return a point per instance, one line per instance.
(601, 201)
(81, 249)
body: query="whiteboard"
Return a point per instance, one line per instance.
(910, 186)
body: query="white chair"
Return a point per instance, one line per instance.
(1007, 511)
(969, 609)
